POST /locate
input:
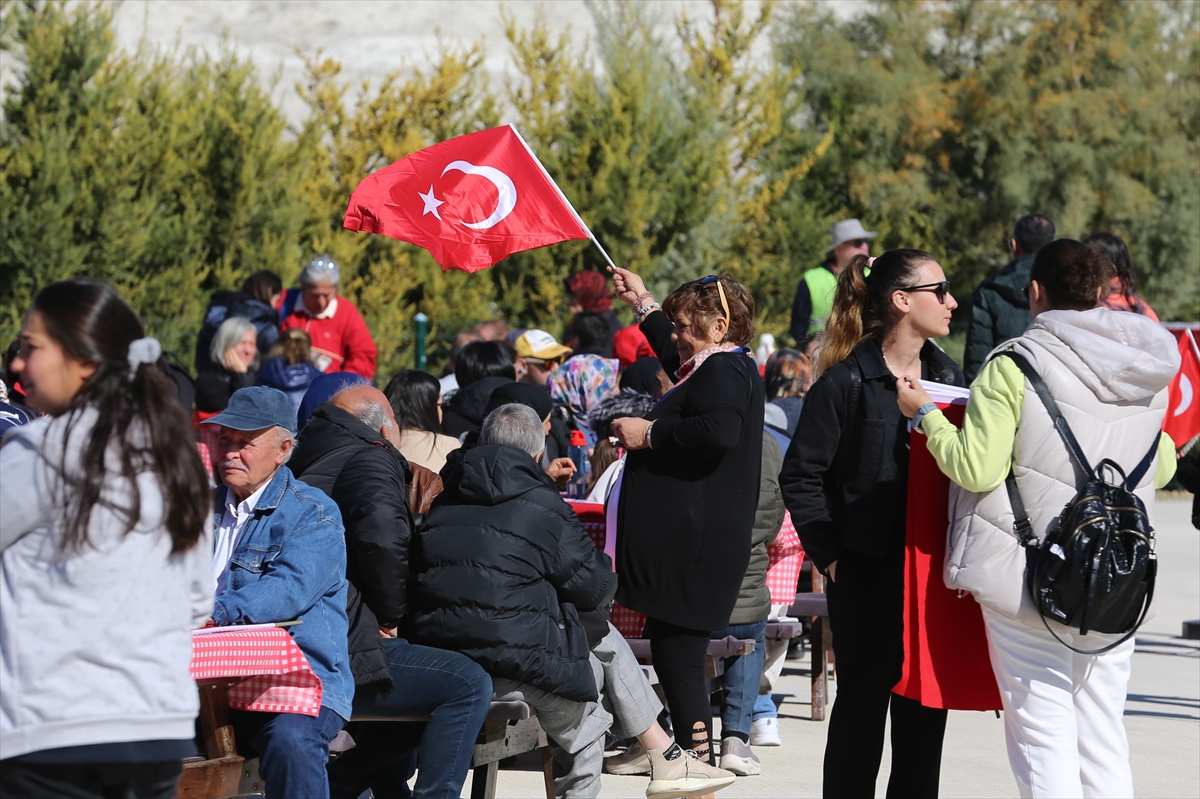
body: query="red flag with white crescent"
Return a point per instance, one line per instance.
(470, 201)
(1182, 422)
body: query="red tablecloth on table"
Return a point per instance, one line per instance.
(946, 663)
(785, 556)
(277, 676)
(628, 622)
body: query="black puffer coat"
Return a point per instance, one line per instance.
(999, 311)
(500, 567)
(368, 479)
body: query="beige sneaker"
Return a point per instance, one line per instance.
(632, 761)
(685, 776)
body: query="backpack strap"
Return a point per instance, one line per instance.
(1140, 470)
(1060, 422)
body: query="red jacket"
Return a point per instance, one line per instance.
(340, 341)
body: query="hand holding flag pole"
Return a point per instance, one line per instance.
(470, 201)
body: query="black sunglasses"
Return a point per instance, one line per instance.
(940, 289)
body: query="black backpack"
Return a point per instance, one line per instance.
(1095, 570)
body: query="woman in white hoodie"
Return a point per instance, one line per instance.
(105, 558)
(1108, 372)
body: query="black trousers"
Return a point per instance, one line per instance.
(679, 655)
(866, 607)
(20, 780)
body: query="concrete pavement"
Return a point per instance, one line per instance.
(1162, 714)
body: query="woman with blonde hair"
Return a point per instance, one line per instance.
(845, 481)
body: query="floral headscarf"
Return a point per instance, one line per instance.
(591, 289)
(582, 382)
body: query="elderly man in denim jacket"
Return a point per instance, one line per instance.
(280, 554)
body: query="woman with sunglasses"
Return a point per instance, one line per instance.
(686, 505)
(845, 481)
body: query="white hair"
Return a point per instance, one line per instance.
(370, 412)
(228, 334)
(514, 425)
(283, 434)
(321, 269)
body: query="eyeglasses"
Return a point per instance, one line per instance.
(940, 289)
(1025, 289)
(546, 363)
(709, 279)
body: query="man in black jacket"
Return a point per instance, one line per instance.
(348, 450)
(1000, 309)
(503, 571)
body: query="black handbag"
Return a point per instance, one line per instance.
(1095, 569)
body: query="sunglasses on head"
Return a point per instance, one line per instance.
(940, 289)
(708, 280)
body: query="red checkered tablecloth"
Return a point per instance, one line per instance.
(786, 556)
(591, 514)
(277, 676)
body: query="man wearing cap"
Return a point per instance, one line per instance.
(340, 339)
(280, 555)
(538, 354)
(814, 295)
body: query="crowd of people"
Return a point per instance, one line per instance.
(419, 531)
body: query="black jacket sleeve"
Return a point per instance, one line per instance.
(371, 493)
(980, 337)
(801, 313)
(579, 572)
(809, 465)
(658, 330)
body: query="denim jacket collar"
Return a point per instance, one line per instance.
(269, 500)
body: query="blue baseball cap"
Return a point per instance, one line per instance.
(256, 408)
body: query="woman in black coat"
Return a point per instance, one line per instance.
(690, 486)
(845, 481)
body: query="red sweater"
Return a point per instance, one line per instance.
(340, 342)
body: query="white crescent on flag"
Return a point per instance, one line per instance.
(504, 188)
(1186, 394)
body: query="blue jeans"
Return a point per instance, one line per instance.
(453, 690)
(743, 675)
(765, 708)
(292, 749)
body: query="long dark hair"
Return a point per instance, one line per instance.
(413, 395)
(139, 416)
(862, 302)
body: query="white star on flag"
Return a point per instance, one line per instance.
(431, 204)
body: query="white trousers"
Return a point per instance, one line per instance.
(1062, 710)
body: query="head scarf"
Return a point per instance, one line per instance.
(322, 390)
(591, 289)
(582, 382)
(642, 376)
(521, 394)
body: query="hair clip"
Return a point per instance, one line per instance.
(614, 440)
(870, 261)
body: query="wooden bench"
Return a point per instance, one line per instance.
(510, 729)
(815, 606)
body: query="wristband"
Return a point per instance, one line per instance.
(921, 413)
(648, 429)
(649, 309)
(641, 297)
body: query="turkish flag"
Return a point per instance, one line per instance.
(1182, 422)
(471, 201)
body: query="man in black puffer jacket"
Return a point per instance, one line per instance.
(348, 451)
(502, 571)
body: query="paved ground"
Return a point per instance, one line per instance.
(1162, 714)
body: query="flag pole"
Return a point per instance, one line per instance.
(563, 197)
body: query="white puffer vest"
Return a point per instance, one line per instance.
(1108, 371)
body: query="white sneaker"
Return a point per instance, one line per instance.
(737, 758)
(633, 760)
(765, 732)
(686, 775)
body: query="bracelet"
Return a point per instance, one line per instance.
(921, 413)
(648, 429)
(649, 309)
(640, 298)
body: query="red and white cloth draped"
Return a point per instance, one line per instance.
(628, 622)
(786, 555)
(277, 676)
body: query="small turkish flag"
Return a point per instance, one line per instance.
(1182, 422)
(471, 201)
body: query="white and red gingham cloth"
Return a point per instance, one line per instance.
(786, 555)
(628, 622)
(277, 676)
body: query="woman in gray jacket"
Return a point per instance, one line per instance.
(1108, 372)
(107, 559)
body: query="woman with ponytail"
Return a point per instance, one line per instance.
(845, 481)
(107, 560)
